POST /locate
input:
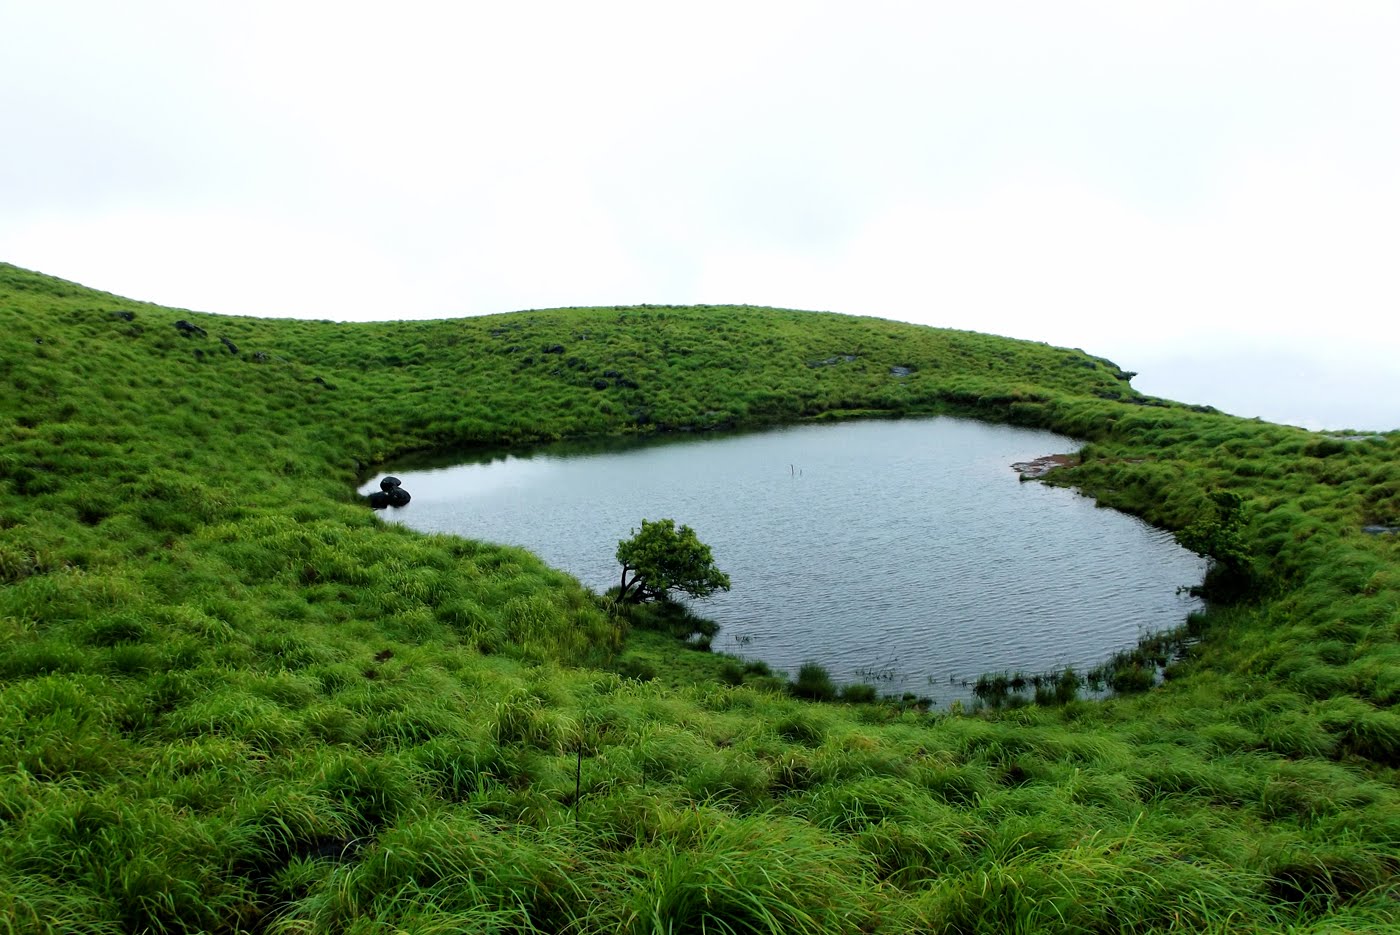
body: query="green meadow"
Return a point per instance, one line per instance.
(233, 699)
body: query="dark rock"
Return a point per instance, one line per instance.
(260, 357)
(600, 384)
(901, 371)
(554, 349)
(124, 316)
(198, 354)
(189, 330)
(1378, 530)
(626, 384)
(390, 493)
(612, 374)
(232, 348)
(835, 359)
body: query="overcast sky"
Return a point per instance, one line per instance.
(1207, 193)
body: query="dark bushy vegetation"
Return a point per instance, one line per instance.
(233, 700)
(814, 683)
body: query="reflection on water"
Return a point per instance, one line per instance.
(906, 552)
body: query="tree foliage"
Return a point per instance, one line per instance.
(1219, 534)
(660, 558)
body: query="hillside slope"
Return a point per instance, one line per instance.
(233, 700)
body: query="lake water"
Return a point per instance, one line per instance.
(906, 551)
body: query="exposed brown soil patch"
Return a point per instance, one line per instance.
(1032, 470)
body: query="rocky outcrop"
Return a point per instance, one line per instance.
(390, 493)
(1034, 470)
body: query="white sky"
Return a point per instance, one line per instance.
(1208, 193)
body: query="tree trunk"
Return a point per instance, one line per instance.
(624, 586)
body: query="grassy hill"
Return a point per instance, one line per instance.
(232, 700)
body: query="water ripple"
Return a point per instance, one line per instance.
(904, 548)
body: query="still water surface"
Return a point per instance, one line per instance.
(905, 552)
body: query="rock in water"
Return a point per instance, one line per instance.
(390, 493)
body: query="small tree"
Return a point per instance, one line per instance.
(661, 558)
(1218, 534)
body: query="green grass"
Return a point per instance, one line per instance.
(233, 700)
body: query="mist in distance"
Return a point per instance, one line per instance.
(1204, 194)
